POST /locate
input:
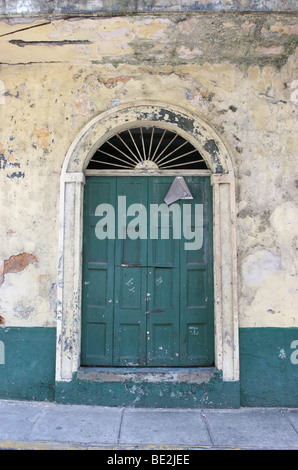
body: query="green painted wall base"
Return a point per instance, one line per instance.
(27, 363)
(214, 394)
(269, 367)
(268, 375)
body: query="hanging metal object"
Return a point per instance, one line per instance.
(178, 190)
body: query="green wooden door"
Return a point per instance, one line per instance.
(147, 300)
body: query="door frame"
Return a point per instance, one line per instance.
(112, 307)
(217, 156)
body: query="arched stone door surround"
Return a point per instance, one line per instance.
(218, 160)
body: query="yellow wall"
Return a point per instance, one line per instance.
(235, 71)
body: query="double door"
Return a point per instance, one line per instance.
(147, 294)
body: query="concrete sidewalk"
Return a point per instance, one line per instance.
(43, 425)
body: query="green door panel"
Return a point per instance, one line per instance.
(147, 301)
(129, 316)
(133, 192)
(196, 284)
(163, 317)
(164, 249)
(98, 277)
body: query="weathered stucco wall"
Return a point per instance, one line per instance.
(235, 71)
(42, 7)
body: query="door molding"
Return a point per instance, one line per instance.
(217, 156)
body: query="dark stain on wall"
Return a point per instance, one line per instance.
(213, 150)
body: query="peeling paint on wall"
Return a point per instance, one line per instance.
(250, 39)
(16, 263)
(42, 135)
(16, 174)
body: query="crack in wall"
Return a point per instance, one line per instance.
(21, 43)
(25, 29)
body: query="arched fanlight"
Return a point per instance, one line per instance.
(149, 148)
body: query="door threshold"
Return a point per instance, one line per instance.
(195, 375)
